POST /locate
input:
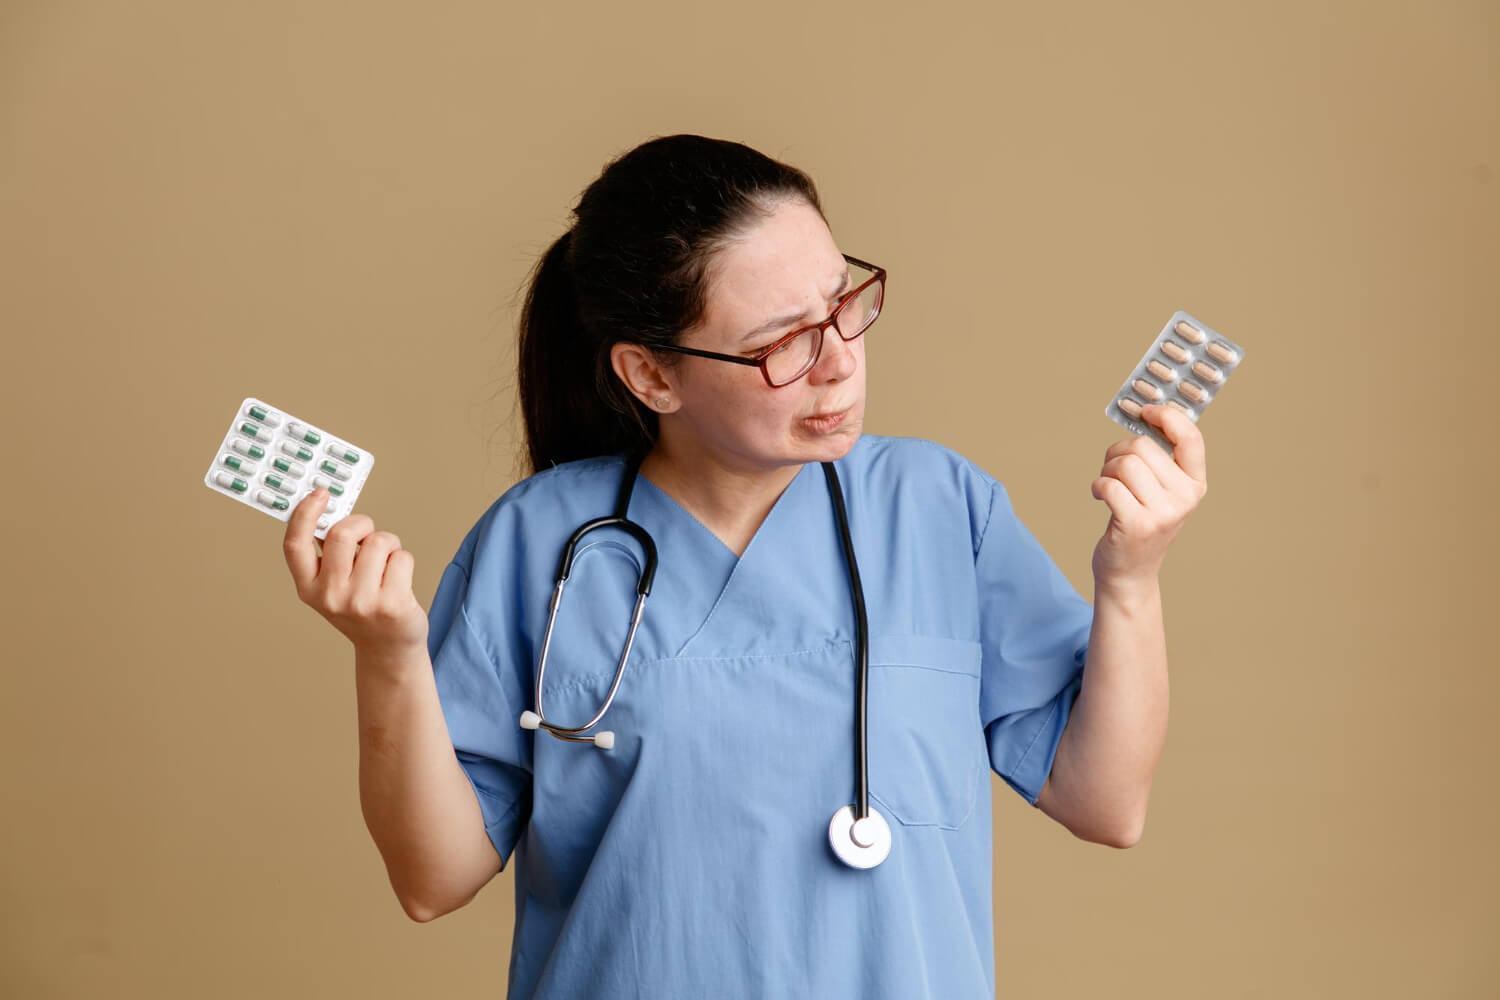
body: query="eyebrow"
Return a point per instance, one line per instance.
(783, 321)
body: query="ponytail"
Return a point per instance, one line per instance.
(571, 399)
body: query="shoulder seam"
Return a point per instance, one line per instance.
(983, 532)
(552, 471)
(482, 640)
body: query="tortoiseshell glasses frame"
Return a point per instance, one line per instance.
(759, 359)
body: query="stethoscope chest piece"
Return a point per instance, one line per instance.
(862, 844)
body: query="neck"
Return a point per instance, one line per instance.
(730, 499)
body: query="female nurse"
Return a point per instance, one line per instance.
(693, 348)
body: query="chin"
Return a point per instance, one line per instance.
(835, 445)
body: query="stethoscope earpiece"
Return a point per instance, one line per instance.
(603, 740)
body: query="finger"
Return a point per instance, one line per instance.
(1133, 471)
(1188, 451)
(369, 562)
(298, 545)
(1121, 502)
(342, 544)
(1171, 476)
(398, 570)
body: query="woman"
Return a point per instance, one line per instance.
(692, 353)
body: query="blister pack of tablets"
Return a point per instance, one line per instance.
(270, 460)
(1186, 367)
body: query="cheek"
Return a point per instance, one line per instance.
(753, 409)
(736, 401)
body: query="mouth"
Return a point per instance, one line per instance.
(825, 414)
(826, 421)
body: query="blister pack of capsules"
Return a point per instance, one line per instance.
(1186, 367)
(270, 460)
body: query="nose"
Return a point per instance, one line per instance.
(836, 361)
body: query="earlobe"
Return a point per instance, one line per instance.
(642, 374)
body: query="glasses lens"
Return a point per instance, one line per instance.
(857, 315)
(787, 362)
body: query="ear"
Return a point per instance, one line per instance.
(646, 377)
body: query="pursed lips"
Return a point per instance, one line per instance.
(828, 413)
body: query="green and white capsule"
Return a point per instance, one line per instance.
(238, 464)
(289, 467)
(255, 431)
(268, 499)
(324, 521)
(343, 452)
(304, 433)
(265, 416)
(333, 488)
(246, 448)
(229, 482)
(279, 484)
(334, 469)
(298, 452)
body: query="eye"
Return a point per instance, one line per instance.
(765, 349)
(755, 352)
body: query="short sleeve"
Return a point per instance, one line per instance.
(1034, 629)
(481, 707)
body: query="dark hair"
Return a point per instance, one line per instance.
(634, 267)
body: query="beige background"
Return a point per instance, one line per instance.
(332, 206)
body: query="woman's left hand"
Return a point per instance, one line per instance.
(1150, 494)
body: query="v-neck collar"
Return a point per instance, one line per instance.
(700, 556)
(729, 553)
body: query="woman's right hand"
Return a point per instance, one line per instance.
(361, 582)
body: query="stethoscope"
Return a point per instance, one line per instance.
(858, 834)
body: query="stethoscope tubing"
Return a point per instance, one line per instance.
(862, 650)
(643, 589)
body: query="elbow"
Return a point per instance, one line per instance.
(1127, 836)
(419, 911)
(1116, 834)
(1109, 838)
(422, 910)
(413, 903)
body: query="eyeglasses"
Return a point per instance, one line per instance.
(794, 355)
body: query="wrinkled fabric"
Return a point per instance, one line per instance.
(693, 859)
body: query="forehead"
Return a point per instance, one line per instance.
(782, 265)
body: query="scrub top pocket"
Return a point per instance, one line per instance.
(926, 745)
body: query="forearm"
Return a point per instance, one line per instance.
(417, 802)
(1110, 747)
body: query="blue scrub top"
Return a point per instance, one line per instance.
(693, 858)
